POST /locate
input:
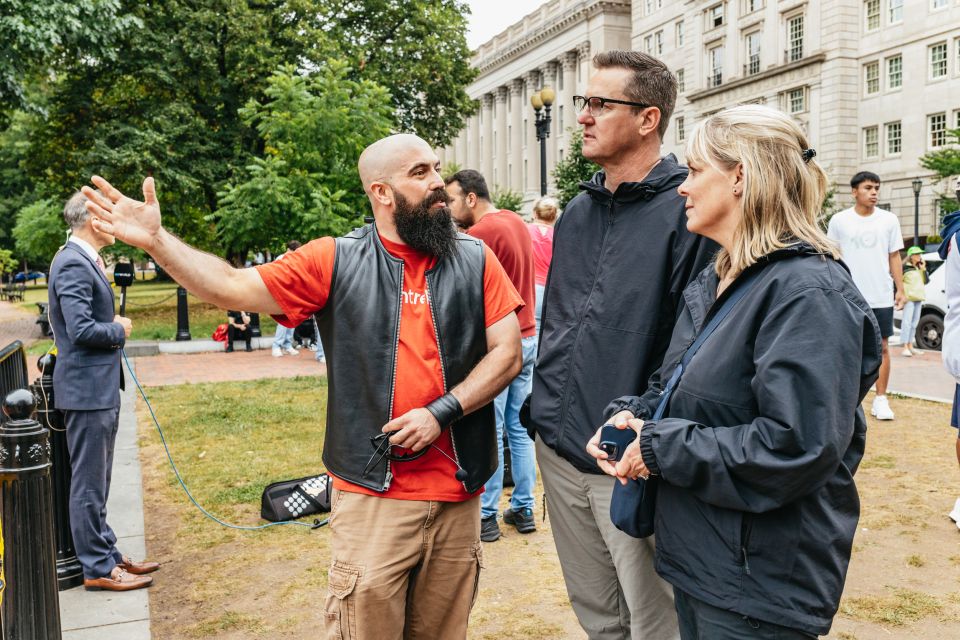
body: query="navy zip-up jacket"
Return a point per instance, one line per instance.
(757, 450)
(620, 264)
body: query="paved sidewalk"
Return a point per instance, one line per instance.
(921, 376)
(105, 615)
(168, 369)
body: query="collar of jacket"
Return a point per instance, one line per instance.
(665, 176)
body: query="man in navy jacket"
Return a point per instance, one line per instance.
(86, 384)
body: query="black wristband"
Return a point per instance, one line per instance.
(446, 409)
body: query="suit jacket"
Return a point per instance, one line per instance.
(88, 374)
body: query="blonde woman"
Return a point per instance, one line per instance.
(759, 442)
(541, 234)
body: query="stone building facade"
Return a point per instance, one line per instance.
(874, 83)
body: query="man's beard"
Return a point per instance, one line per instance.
(425, 228)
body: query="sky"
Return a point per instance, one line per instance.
(490, 17)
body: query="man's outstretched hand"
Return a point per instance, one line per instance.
(135, 223)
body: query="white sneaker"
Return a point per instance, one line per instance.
(276, 352)
(907, 353)
(881, 408)
(955, 514)
(290, 351)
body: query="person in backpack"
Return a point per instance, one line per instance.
(914, 281)
(757, 449)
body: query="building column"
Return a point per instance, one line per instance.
(486, 137)
(515, 142)
(549, 79)
(460, 147)
(532, 153)
(586, 64)
(570, 89)
(500, 177)
(472, 159)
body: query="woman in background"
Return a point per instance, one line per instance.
(541, 234)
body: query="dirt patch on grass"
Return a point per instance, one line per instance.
(904, 580)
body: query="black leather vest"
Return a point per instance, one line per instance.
(360, 326)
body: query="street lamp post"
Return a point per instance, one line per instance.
(917, 185)
(543, 99)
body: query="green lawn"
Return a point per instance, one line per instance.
(152, 306)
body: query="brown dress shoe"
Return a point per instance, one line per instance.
(117, 581)
(138, 568)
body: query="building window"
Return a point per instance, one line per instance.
(956, 119)
(648, 45)
(525, 129)
(509, 139)
(872, 10)
(937, 125)
(938, 4)
(715, 66)
(895, 11)
(560, 119)
(681, 84)
(894, 144)
(681, 132)
(653, 5)
(894, 72)
(524, 174)
(753, 53)
(797, 100)
(658, 43)
(871, 74)
(938, 60)
(871, 148)
(679, 31)
(715, 16)
(749, 6)
(795, 38)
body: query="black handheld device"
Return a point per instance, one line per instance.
(614, 441)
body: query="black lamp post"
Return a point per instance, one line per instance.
(543, 99)
(917, 185)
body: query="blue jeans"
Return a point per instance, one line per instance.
(522, 464)
(910, 321)
(283, 338)
(538, 307)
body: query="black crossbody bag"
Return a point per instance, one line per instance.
(292, 499)
(633, 505)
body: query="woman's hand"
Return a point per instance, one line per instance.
(620, 420)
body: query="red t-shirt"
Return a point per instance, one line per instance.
(542, 238)
(300, 284)
(506, 233)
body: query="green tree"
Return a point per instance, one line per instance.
(40, 231)
(415, 48)
(306, 184)
(8, 263)
(945, 163)
(507, 199)
(573, 170)
(36, 35)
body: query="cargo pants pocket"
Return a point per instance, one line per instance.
(478, 557)
(340, 610)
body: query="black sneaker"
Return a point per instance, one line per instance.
(489, 529)
(522, 519)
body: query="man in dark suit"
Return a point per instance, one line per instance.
(87, 382)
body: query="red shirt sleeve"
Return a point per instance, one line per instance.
(499, 295)
(300, 283)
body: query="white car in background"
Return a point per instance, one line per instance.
(929, 333)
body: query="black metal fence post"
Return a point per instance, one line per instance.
(183, 317)
(69, 571)
(31, 607)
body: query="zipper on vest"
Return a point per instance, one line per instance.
(388, 478)
(443, 369)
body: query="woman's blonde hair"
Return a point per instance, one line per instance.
(783, 188)
(546, 209)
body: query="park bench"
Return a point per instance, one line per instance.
(13, 292)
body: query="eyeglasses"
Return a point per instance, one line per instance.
(595, 104)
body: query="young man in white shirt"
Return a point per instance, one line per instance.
(870, 241)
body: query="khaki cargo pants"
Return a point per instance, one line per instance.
(402, 568)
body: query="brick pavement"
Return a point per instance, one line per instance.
(166, 369)
(17, 324)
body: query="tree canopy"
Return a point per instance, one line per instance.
(945, 163)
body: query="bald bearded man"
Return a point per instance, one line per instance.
(419, 327)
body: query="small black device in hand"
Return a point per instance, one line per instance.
(614, 441)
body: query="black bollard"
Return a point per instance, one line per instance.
(69, 571)
(31, 606)
(183, 318)
(255, 325)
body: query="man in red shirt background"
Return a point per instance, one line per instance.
(505, 232)
(420, 333)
